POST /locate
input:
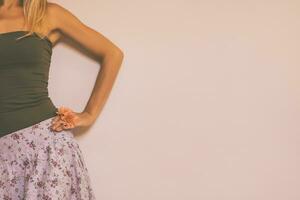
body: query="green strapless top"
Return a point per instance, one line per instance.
(24, 72)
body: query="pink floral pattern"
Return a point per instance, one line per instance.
(39, 164)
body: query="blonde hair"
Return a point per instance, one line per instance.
(35, 14)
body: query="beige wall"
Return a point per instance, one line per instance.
(206, 105)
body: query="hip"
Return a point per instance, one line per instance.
(36, 138)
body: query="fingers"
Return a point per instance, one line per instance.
(65, 119)
(59, 125)
(58, 129)
(56, 125)
(55, 120)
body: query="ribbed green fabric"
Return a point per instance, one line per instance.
(24, 73)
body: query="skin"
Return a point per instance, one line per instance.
(62, 23)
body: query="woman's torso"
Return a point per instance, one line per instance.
(24, 74)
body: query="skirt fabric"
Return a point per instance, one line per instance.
(37, 163)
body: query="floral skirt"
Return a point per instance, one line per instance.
(37, 163)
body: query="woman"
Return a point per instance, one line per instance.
(39, 156)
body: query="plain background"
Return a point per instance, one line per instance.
(205, 106)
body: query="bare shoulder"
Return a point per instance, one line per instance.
(54, 14)
(64, 22)
(59, 17)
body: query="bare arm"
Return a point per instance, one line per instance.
(110, 57)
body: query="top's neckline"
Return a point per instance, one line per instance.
(23, 31)
(4, 33)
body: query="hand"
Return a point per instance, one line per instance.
(68, 119)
